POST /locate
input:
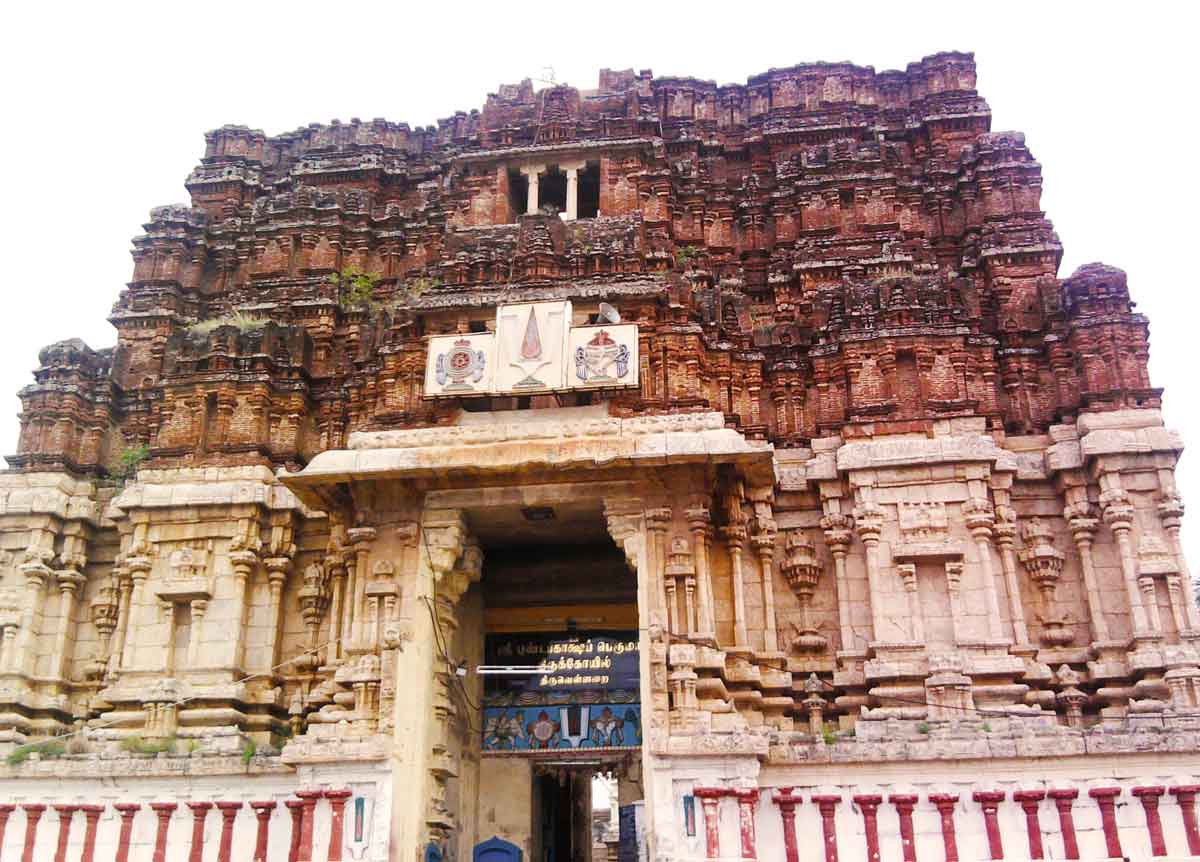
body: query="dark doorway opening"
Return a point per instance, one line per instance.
(552, 190)
(589, 191)
(563, 803)
(518, 193)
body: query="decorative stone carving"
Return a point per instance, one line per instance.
(1044, 565)
(802, 571)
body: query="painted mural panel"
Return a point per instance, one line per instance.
(582, 692)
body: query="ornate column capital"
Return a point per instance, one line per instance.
(1117, 509)
(445, 534)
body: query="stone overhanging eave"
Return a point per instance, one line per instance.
(425, 455)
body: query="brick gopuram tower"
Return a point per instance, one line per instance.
(732, 456)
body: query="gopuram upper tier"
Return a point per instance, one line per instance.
(825, 249)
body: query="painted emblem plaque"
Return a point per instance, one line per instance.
(531, 344)
(460, 364)
(603, 356)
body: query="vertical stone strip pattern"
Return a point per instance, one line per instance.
(945, 803)
(1184, 793)
(710, 801)
(199, 812)
(1106, 798)
(33, 813)
(5, 811)
(827, 805)
(162, 810)
(91, 815)
(990, 801)
(229, 811)
(262, 811)
(126, 810)
(66, 815)
(869, 805)
(904, 809)
(337, 802)
(747, 799)
(787, 803)
(1030, 799)
(1150, 797)
(1063, 800)
(309, 798)
(296, 808)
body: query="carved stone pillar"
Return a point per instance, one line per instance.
(868, 804)
(262, 812)
(945, 803)
(277, 572)
(735, 538)
(1005, 530)
(1185, 794)
(337, 804)
(1106, 799)
(680, 580)
(787, 802)
(989, 801)
(33, 815)
(980, 519)
(904, 810)
(309, 798)
(1083, 532)
(657, 521)
(747, 799)
(70, 582)
(124, 587)
(531, 198)
(127, 810)
(1064, 799)
(163, 811)
(199, 813)
(868, 521)
(908, 576)
(6, 809)
(827, 806)
(836, 528)
(572, 211)
(710, 800)
(360, 538)
(1118, 514)
(335, 565)
(700, 524)
(91, 814)
(1149, 797)
(1030, 800)
(66, 814)
(763, 542)
(1170, 510)
(244, 562)
(37, 576)
(295, 808)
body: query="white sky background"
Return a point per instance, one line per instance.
(105, 106)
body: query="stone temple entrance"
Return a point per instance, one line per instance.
(559, 601)
(552, 542)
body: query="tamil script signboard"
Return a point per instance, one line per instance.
(581, 692)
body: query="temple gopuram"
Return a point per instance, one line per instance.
(663, 471)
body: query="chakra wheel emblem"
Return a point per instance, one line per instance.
(460, 363)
